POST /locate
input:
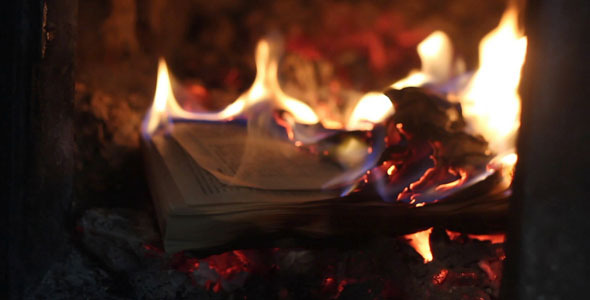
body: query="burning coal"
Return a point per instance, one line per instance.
(420, 241)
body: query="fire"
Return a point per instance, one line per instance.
(162, 97)
(371, 108)
(491, 102)
(420, 241)
(436, 55)
(265, 87)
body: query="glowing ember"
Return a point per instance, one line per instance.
(440, 277)
(420, 241)
(391, 170)
(486, 267)
(453, 235)
(493, 238)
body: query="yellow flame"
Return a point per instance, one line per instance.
(265, 87)
(491, 102)
(373, 107)
(509, 159)
(420, 241)
(505, 164)
(370, 109)
(158, 112)
(436, 55)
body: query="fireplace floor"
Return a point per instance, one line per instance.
(116, 254)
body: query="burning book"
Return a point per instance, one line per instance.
(426, 151)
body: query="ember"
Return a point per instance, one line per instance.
(336, 277)
(420, 241)
(493, 238)
(439, 278)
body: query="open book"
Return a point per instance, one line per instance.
(217, 203)
(198, 210)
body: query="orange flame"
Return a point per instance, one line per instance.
(491, 102)
(265, 87)
(420, 241)
(371, 108)
(436, 55)
(158, 112)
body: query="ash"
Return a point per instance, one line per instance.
(117, 254)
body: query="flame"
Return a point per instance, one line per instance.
(420, 241)
(509, 159)
(490, 99)
(370, 109)
(265, 87)
(157, 114)
(491, 102)
(436, 55)
(505, 164)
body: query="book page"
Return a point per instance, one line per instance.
(200, 188)
(236, 157)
